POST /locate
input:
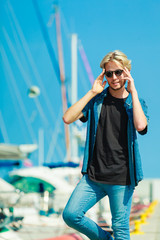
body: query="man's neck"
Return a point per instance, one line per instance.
(121, 93)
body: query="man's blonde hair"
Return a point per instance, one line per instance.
(118, 57)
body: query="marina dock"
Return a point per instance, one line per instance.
(150, 230)
(46, 230)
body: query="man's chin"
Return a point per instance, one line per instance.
(116, 89)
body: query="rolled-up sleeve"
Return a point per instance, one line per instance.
(85, 112)
(145, 110)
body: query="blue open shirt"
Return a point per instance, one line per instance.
(91, 114)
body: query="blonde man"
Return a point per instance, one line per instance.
(112, 164)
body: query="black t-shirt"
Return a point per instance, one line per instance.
(109, 163)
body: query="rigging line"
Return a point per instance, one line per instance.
(53, 142)
(30, 58)
(12, 19)
(25, 77)
(16, 107)
(82, 75)
(86, 63)
(18, 95)
(47, 40)
(3, 129)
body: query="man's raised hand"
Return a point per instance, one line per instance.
(98, 85)
(128, 77)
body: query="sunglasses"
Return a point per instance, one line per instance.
(117, 72)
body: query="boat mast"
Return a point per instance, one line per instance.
(62, 78)
(74, 141)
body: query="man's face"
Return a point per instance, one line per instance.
(115, 79)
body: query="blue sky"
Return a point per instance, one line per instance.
(102, 26)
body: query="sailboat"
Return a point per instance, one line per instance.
(39, 122)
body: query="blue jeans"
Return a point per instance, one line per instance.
(86, 194)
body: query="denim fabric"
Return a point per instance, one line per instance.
(87, 194)
(91, 114)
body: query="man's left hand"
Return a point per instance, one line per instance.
(128, 77)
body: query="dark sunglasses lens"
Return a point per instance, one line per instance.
(109, 74)
(118, 72)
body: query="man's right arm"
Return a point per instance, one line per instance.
(75, 111)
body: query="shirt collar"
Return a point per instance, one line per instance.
(104, 94)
